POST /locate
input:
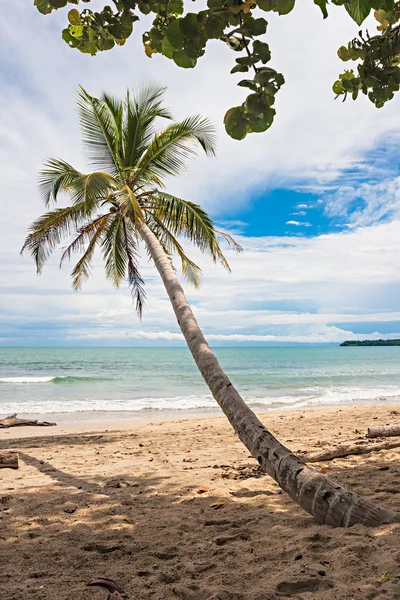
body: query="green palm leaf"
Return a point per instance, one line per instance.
(100, 131)
(92, 233)
(135, 280)
(189, 220)
(113, 246)
(170, 244)
(56, 178)
(170, 150)
(141, 111)
(48, 231)
(92, 189)
(129, 204)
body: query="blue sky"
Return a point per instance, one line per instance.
(315, 201)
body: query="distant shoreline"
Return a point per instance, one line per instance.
(395, 342)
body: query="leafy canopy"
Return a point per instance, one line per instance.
(132, 158)
(182, 36)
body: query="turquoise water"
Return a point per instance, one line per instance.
(40, 381)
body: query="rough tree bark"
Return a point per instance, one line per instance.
(384, 430)
(327, 501)
(14, 421)
(8, 459)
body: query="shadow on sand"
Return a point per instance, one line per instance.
(163, 542)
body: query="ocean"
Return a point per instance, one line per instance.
(95, 382)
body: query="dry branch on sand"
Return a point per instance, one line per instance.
(349, 449)
(14, 421)
(384, 430)
(8, 459)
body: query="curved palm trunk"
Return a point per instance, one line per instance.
(327, 501)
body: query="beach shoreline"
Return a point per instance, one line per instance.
(98, 419)
(177, 509)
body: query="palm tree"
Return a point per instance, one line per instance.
(124, 203)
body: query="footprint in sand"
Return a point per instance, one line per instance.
(303, 585)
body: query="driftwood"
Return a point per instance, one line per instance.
(349, 449)
(8, 459)
(384, 431)
(13, 421)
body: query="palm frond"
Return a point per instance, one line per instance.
(92, 233)
(100, 131)
(231, 241)
(47, 231)
(54, 178)
(116, 107)
(135, 280)
(183, 218)
(132, 209)
(114, 252)
(170, 150)
(85, 235)
(92, 188)
(141, 111)
(170, 244)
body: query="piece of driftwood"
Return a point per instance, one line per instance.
(383, 430)
(348, 450)
(14, 421)
(115, 592)
(8, 459)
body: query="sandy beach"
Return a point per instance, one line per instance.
(178, 510)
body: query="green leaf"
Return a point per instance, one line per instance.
(337, 87)
(256, 26)
(236, 123)
(256, 103)
(194, 48)
(174, 35)
(144, 7)
(284, 7)
(43, 6)
(214, 27)
(167, 48)
(74, 17)
(175, 7)
(58, 3)
(248, 83)
(261, 49)
(76, 31)
(105, 43)
(240, 69)
(183, 60)
(264, 75)
(322, 4)
(349, 53)
(358, 10)
(189, 26)
(267, 5)
(123, 28)
(261, 122)
(247, 60)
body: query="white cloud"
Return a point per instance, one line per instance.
(280, 289)
(366, 203)
(298, 223)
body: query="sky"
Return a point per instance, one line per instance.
(314, 201)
